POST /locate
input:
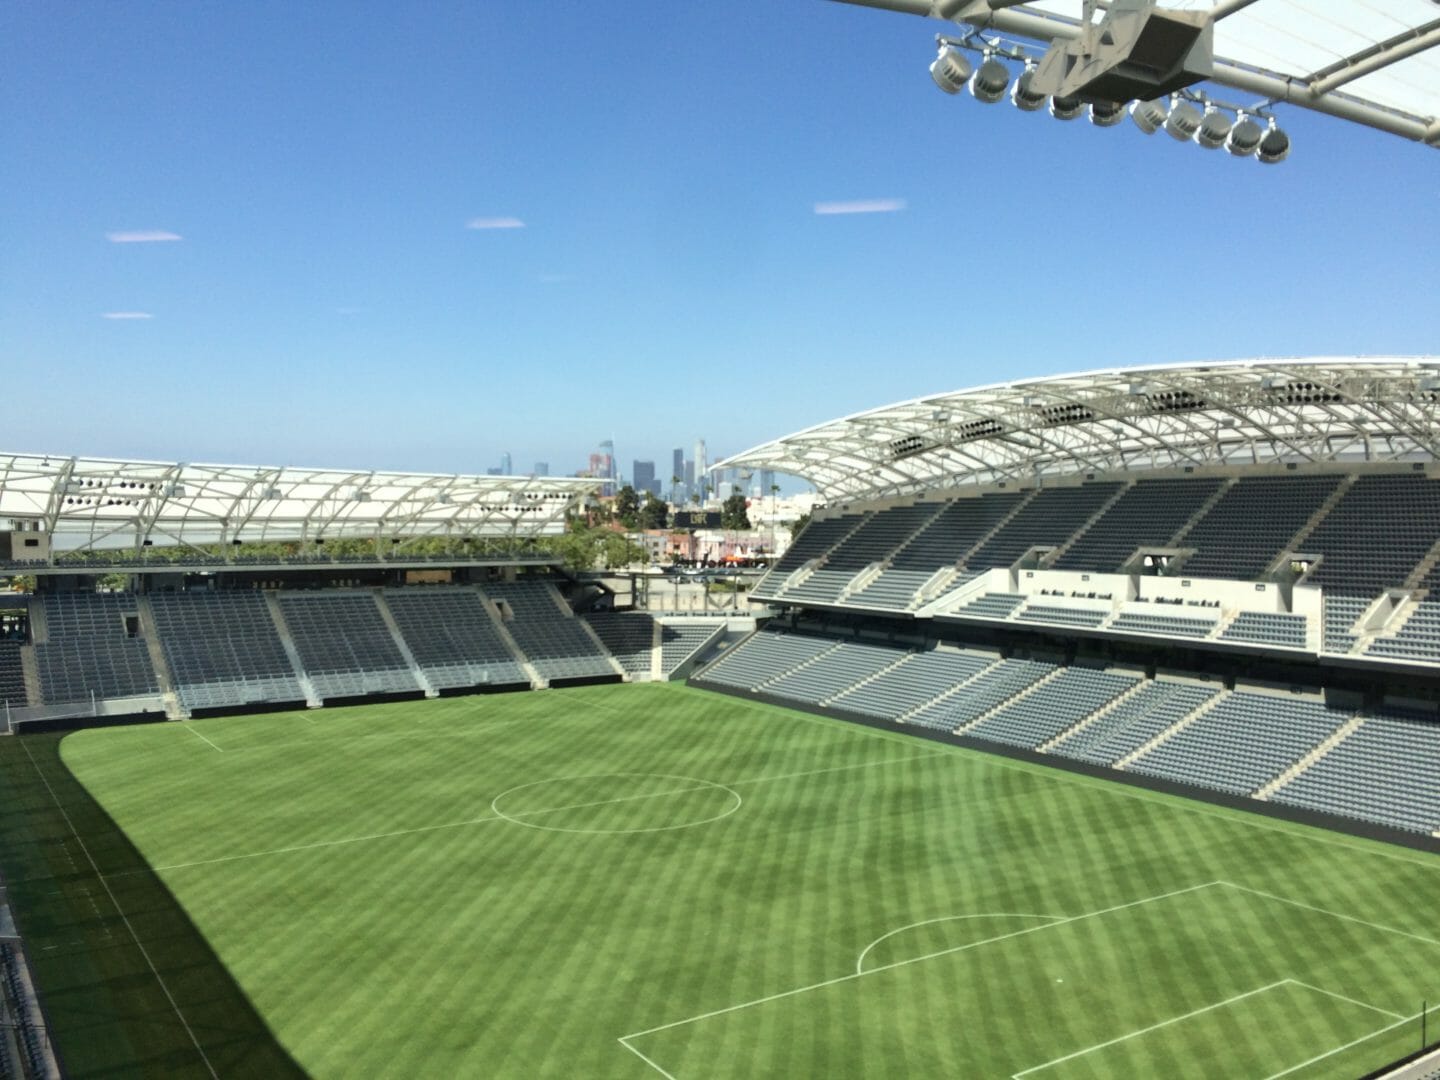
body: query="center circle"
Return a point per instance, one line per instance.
(616, 803)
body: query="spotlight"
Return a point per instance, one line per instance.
(990, 80)
(1274, 147)
(1107, 113)
(1213, 130)
(1066, 108)
(1245, 135)
(1183, 121)
(1022, 96)
(950, 70)
(1148, 116)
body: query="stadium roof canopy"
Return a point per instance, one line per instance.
(1232, 413)
(1363, 60)
(98, 502)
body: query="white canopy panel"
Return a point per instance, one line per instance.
(1247, 412)
(98, 501)
(1373, 61)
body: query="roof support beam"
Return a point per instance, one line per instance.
(1378, 56)
(1228, 7)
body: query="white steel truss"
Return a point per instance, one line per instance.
(1251, 412)
(97, 502)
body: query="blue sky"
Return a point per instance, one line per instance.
(327, 304)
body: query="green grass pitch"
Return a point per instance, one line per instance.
(646, 881)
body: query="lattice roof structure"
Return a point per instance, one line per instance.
(1357, 59)
(1252, 412)
(87, 502)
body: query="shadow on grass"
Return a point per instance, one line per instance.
(109, 1012)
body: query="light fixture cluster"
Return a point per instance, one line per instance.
(1183, 116)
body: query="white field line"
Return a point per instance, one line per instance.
(860, 962)
(1347, 1046)
(202, 738)
(1342, 997)
(123, 917)
(1152, 1027)
(480, 820)
(642, 1057)
(318, 844)
(1332, 914)
(916, 959)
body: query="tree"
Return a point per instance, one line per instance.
(798, 524)
(732, 513)
(627, 507)
(654, 514)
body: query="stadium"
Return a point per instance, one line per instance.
(1100, 710)
(1088, 727)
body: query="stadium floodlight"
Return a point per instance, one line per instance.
(1274, 146)
(990, 80)
(1066, 108)
(1022, 94)
(1149, 116)
(1107, 113)
(1245, 135)
(1214, 129)
(1183, 121)
(950, 70)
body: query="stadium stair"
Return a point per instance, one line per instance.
(1012, 699)
(287, 642)
(39, 624)
(1424, 567)
(174, 708)
(30, 672)
(1170, 732)
(604, 650)
(687, 664)
(1297, 542)
(1380, 620)
(899, 659)
(1178, 540)
(1090, 718)
(798, 667)
(952, 692)
(388, 618)
(860, 580)
(1334, 739)
(1088, 524)
(537, 681)
(1000, 525)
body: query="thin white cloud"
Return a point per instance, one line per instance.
(126, 315)
(495, 223)
(861, 206)
(143, 236)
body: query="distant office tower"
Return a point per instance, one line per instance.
(643, 478)
(505, 465)
(677, 470)
(767, 481)
(602, 466)
(493, 471)
(689, 479)
(700, 462)
(542, 468)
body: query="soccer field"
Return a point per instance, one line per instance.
(646, 881)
